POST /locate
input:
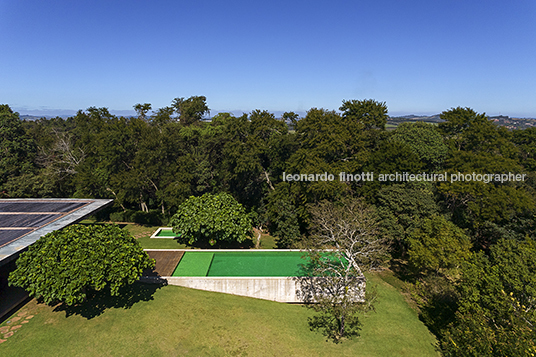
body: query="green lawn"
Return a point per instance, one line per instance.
(143, 234)
(176, 321)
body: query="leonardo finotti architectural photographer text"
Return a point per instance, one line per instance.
(406, 176)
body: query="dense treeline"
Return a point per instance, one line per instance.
(466, 247)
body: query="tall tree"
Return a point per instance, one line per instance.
(282, 216)
(142, 110)
(368, 113)
(191, 110)
(425, 141)
(17, 149)
(525, 140)
(334, 282)
(402, 208)
(438, 246)
(213, 219)
(478, 146)
(497, 306)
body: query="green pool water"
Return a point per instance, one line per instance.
(164, 233)
(247, 263)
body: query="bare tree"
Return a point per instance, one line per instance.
(333, 283)
(63, 158)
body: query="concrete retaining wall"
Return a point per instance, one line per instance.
(281, 289)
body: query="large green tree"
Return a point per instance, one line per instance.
(497, 305)
(17, 149)
(402, 207)
(69, 264)
(438, 246)
(367, 114)
(213, 219)
(425, 141)
(476, 145)
(282, 216)
(191, 110)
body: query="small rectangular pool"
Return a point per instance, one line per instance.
(164, 232)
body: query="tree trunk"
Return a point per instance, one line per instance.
(342, 326)
(143, 205)
(116, 200)
(258, 244)
(268, 180)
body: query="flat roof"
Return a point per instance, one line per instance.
(24, 220)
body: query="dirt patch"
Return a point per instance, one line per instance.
(16, 327)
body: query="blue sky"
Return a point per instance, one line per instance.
(419, 57)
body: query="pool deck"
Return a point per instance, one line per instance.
(166, 261)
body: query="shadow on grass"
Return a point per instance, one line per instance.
(100, 301)
(329, 326)
(402, 271)
(434, 296)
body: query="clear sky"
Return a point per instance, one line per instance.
(418, 56)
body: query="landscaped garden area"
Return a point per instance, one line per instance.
(143, 235)
(171, 320)
(150, 319)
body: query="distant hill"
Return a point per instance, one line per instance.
(513, 123)
(36, 117)
(501, 120)
(412, 117)
(392, 122)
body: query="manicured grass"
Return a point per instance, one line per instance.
(143, 235)
(176, 321)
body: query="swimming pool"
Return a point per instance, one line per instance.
(248, 263)
(259, 273)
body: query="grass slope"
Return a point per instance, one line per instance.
(177, 321)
